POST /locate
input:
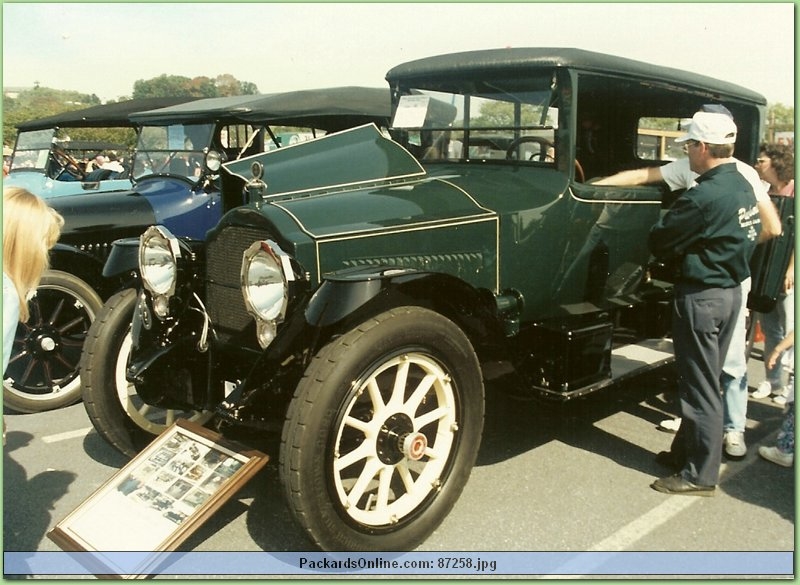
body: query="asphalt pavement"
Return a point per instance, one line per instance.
(569, 478)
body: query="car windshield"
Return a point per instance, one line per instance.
(488, 119)
(177, 149)
(32, 150)
(70, 156)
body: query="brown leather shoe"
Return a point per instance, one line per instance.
(676, 484)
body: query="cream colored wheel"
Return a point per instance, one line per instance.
(382, 432)
(394, 440)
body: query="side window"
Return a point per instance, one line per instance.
(656, 139)
(236, 139)
(495, 120)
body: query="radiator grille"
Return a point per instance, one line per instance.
(224, 300)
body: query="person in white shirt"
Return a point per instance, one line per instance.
(113, 164)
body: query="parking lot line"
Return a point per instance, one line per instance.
(67, 435)
(628, 535)
(631, 533)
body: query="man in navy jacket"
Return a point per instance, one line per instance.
(709, 233)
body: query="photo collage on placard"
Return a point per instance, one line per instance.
(179, 477)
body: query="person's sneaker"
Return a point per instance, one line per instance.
(733, 442)
(764, 389)
(780, 396)
(776, 456)
(670, 425)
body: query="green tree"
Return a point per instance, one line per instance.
(780, 118)
(202, 86)
(248, 88)
(501, 115)
(162, 86)
(228, 85)
(660, 123)
(40, 102)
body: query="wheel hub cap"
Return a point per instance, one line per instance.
(47, 344)
(43, 341)
(414, 446)
(391, 442)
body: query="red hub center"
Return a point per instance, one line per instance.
(414, 446)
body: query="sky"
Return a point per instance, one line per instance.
(104, 48)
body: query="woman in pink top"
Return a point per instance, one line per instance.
(775, 166)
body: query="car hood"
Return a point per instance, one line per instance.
(102, 217)
(428, 202)
(327, 164)
(319, 187)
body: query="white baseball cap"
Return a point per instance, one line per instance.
(711, 128)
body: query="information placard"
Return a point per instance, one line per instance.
(159, 499)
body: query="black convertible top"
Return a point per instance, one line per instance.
(102, 116)
(519, 60)
(327, 109)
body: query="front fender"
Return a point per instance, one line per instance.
(350, 297)
(124, 258)
(84, 264)
(341, 303)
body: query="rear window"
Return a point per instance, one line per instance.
(656, 139)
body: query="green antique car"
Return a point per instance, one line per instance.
(372, 285)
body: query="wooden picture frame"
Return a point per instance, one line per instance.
(157, 500)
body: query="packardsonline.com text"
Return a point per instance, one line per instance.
(454, 564)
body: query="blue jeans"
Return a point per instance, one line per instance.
(785, 442)
(734, 371)
(776, 325)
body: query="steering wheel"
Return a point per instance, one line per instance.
(544, 148)
(579, 174)
(67, 163)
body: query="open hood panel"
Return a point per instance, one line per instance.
(329, 164)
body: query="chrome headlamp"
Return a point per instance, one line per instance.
(266, 273)
(214, 160)
(158, 265)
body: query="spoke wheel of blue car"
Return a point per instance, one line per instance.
(117, 412)
(382, 432)
(43, 372)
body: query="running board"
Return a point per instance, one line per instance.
(627, 361)
(650, 353)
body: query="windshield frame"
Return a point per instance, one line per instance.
(172, 149)
(492, 119)
(25, 147)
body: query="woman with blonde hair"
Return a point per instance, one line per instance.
(30, 229)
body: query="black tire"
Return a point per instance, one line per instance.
(335, 417)
(44, 370)
(113, 406)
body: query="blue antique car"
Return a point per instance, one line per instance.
(371, 285)
(47, 161)
(176, 183)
